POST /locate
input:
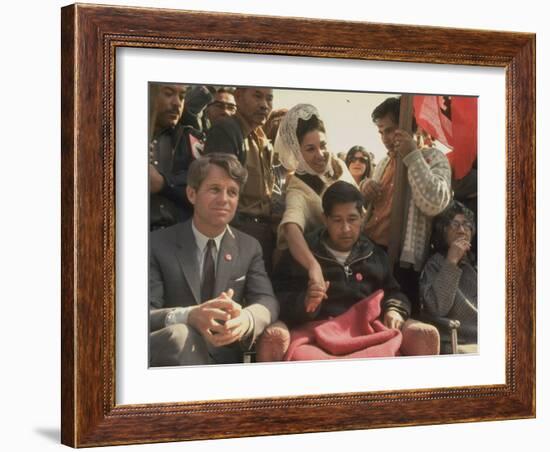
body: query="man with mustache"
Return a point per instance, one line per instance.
(172, 148)
(222, 105)
(242, 136)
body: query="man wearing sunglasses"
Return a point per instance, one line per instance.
(222, 106)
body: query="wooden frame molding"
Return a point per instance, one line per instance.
(90, 36)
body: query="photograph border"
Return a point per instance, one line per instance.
(90, 36)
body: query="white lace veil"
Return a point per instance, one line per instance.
(287, 145)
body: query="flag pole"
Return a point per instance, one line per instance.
(398, 210)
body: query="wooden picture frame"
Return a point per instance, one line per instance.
(90, 37)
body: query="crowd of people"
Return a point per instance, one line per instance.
(266, 245)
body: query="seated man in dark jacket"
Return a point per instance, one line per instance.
(354, 268)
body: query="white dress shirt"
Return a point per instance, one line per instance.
(180, 314)
(201, 241)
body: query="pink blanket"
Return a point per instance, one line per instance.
(357, 333)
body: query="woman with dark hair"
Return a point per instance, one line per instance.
(448, 283)
(360, 163)
(302, 148)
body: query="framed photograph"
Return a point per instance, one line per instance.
(111, 56)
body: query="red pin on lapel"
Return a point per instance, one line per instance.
(359, 277)
(228, 257)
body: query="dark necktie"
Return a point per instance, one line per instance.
(208, 273)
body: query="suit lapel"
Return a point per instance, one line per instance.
(227, 259)
(186, 253)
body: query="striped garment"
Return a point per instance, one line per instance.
(428, 193)
(448, 290)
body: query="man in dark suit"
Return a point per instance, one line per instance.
(209, 294)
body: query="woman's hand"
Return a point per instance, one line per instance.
(392, 319)
(457, 250)
(372, 190)
(315, 296)
(317, 288)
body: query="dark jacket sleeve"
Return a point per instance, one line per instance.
(156, 286)
(176, 180)
(465, 187)
(174, 188)
(290, 283)
(192, 120)
(196, 100)
(157, 312)
(226, 137)
(393, 299)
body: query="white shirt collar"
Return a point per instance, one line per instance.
(201, 240)
(340, 256)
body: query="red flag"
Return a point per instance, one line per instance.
(464, 119)
(430, 117)
(458, 133)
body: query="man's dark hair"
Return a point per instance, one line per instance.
(226, 90)
(441, 221)
(392, 107)
(308, 125)
(342, 193)
(154, 91)
(198, 170)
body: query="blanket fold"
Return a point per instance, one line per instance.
(357, 333)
